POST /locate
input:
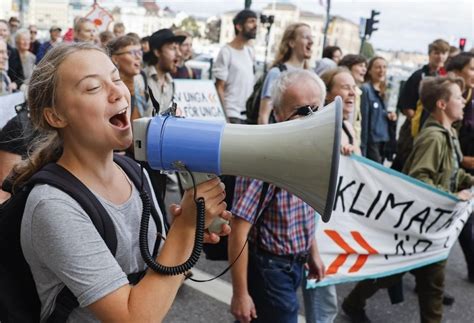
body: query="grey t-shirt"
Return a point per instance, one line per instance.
(62, 246)
(272, 75)
(235, 68)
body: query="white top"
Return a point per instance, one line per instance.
(235, 68)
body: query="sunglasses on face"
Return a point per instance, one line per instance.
(303, 111)
(133, 52)
(33, 32)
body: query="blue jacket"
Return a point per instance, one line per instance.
(374, 118)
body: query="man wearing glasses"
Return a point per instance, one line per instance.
(281, 226)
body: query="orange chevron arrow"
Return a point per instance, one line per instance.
(341, 259)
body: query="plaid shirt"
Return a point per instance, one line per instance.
(288, 225)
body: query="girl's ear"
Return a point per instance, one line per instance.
(54, 119)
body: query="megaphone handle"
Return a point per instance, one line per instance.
(187, 183)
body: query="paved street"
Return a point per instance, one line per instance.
(196, 306)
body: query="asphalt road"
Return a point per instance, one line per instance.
(209, 302)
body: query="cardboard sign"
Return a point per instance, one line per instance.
(385, 222)
(198, 99)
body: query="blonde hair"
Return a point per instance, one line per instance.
(284, 50)
(42, 93)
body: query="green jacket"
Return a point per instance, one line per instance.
(431, 159)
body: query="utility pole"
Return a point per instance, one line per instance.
(328, 21)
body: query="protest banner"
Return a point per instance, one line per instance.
(198, 99)
(7, 106)
(385, 222)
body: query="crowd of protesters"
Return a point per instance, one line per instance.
(436, 103)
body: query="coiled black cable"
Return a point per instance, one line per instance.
(198, 239)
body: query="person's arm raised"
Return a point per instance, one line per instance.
(151, 299)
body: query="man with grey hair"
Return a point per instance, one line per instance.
(270, 269)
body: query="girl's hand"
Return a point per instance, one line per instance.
(213, 194)
(209, 237)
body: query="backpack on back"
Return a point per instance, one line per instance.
(252, 106)
(19, 301)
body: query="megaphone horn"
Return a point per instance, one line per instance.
(300, 156)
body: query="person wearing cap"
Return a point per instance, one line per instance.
(234, 67)
(163, 60)
(54, 34)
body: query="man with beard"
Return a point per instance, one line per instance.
(164, 47)
(161, 62)
(234, 67)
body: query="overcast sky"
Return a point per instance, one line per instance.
(404, 24)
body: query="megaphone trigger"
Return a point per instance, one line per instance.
(190, 180)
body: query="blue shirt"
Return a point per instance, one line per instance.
(374, 117)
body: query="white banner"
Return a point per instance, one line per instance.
(198, 99)
(385, 222)
(7, 106)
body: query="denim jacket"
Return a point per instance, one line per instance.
(374, 118)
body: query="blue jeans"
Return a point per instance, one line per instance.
(320, 303)
(272, 283)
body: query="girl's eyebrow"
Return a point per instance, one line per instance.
(94, 76)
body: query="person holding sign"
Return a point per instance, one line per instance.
(435, 160)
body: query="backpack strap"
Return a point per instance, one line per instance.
(57, 176)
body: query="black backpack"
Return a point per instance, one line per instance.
(19, 301)
(252, 106)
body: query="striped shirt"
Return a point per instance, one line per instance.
(288, 225)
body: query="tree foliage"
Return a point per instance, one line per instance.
(190, 25)
(213, 30)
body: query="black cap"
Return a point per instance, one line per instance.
(164, 36)
(243, 15)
